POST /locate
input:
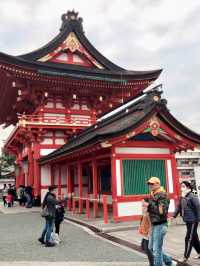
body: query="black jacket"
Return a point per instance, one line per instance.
(158, 208)
(50, 202)
(60, 211)
(189, 208)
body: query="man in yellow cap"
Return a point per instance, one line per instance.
(158, 205)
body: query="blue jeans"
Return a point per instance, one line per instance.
(48, 229)
(156, 243)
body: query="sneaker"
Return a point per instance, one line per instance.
(49, 244)
(183, 260)
(41, 241)
(197, 257)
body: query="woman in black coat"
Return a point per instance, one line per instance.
(189, 209)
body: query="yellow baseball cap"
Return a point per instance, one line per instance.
(153, 180)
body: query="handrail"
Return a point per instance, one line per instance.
(67, 119)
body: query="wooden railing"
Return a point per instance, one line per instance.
(66, 119)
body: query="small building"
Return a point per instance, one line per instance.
(188, 165)
(117, 155)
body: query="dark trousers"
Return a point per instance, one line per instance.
(57, 227)
(145, 248)
(191, 239)
(4, 201)
(48, 229)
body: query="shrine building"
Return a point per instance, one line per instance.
(56, 97)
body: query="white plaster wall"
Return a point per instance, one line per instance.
(129, 208)
(118, 178)
(59, 141)
(45, 175)
(56, 175)
(170, 178)
(136, 150)
(44, 152)
(47, 141)
(63, 174)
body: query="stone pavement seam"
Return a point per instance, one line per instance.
(98, 236)
(136, 248)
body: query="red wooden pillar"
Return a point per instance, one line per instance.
(95, 188)
(59, 181)
(80, 187)
(175, 175)
(36, 167)
(30, 180)
(105, 209)
(114, 188)
(69, 187)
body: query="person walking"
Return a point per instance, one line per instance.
(59, 218)
(145, 229)
(189, 208)
(4, 194)
(157, 207)
(20, 195)
(49, 212)
(9, 199)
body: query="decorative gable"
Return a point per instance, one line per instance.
(71, 51)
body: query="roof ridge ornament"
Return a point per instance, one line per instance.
(71, 16)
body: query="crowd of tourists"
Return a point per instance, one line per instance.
(23, 195)
(155, 222)
(8, 195)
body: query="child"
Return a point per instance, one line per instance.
(59, 218)
(144, 230)
(9, 199)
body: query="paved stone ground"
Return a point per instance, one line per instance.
(19, 246)
(76, 263)
(173, 243)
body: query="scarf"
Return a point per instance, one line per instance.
(160, 189)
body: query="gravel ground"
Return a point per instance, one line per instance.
(18, 242)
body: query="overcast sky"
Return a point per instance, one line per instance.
(135, 34)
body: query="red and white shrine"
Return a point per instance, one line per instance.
(55, 96)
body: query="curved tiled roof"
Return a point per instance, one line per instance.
(122, 123)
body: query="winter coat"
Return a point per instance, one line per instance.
(50, 203)
(158, 207)
(189, 208)
(60, 211)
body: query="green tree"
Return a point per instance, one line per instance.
(6, 163)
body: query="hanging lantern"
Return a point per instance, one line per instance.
(100, 98)
(74, 96)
